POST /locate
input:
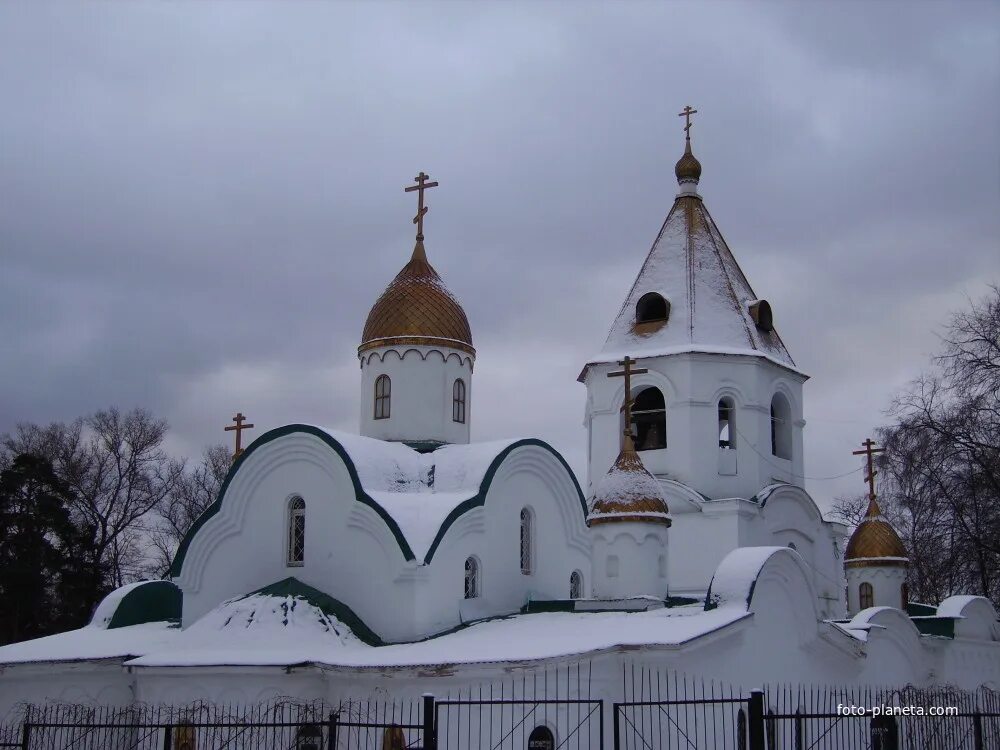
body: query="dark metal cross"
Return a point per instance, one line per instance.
(420, 187)
(686, 114)
(627, 373)
(870, 451)
(239, 427)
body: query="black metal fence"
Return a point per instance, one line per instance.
(678, 712)
(543, 711)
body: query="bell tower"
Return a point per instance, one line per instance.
(720, 406)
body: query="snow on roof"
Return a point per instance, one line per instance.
(419, 490)
(514, 638)
(93, 642)
(691, 266)
(109, 605)
(735, 576)
(953, 605)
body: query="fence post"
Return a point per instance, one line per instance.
(331, 737)
(25, 735)
(756, 719)
(977, 731)
(430, 736)
(614, 724)
(166, 737)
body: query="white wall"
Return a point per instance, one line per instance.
(351, 555)
(886, 582)
(422, 379)
(692, 385)
(625, 560)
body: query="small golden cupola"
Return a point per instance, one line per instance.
(874, 542)
(417, 339)
(628, 493)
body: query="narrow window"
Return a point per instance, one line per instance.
(526, 541)
(866, 596)
(383, 394)
(471, 578)
(661, 566)
(727, 436)
(904, 596)
(651, 307)
(576, 585)
(781, 427)
(296, 531)
(649, 420)
(458, 401)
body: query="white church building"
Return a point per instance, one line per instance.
(407, 559)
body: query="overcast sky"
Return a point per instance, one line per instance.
(199, 202)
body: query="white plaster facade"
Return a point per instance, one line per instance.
(422, 391)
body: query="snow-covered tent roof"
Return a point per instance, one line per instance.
(711, 305)
(417, 495)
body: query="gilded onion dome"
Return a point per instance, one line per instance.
(417, 308)
(874, 542)
(628, 493)
(688, 168)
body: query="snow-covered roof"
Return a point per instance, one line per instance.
(417, 491)
(285, 628)
(691, 266)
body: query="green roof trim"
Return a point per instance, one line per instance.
(359, 492)
(480, 497)
(943, 627)
(335, 608)
(916, 609)
(151, 601)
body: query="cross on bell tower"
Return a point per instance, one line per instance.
(239, 419)
(627, 373)
(869, 452)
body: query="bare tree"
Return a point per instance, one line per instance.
(940, 474)
(115, 464)
(191, 495)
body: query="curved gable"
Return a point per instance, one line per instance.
(479, 499)
(363, 496)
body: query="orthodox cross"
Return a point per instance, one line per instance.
(627, 372)
(420, 187)
(686, 114)
(239, 427)
(870, 451)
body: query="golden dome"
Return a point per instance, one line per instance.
(874, 542)
(688, 169)
(417, 308)
(628, 493)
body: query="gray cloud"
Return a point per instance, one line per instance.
(200, 202)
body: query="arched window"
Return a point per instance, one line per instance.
(727, 426)
(458, 401)
(866, 596)
(651, 307)
(781, 427)
(383, 395)
(471, 578)
(904, 596)
(527, 522)
(576, 585)
(541, 737)
(296, 531)
(649, 420)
